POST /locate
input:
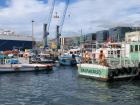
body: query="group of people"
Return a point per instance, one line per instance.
(101, 58)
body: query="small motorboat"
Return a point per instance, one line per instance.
(68, 60)
(72, 57)
(42, 59)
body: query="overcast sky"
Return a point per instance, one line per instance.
(88, 15)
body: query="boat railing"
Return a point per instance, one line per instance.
(113, 62)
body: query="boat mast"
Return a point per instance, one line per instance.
(33, 40)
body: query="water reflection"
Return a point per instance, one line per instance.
(119, 92)
(62, 86)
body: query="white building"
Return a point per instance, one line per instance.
(132, 36)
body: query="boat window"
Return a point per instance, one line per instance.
(136, 47)
(71, 52)
(108, 52)
(131, 48)
(118, 53)
(139, 47)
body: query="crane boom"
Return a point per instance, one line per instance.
(50, 13)
(63, 16)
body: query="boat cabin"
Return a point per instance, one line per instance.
(133, 51)
(111, 50)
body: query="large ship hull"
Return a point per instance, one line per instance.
(15, 44)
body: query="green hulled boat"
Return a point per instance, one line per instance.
(127, 65)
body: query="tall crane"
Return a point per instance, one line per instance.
(47, 25)
(60, 26)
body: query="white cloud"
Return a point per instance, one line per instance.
(89, 15)
(19, 14)
(93, 15)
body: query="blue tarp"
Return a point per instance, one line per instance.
(13, 61)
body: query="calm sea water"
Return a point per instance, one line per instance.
(64, 87)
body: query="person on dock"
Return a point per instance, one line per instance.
(102, 60)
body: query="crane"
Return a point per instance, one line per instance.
(47, 26)
(60, 26)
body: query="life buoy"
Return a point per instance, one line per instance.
(36, 68)
(16, 68)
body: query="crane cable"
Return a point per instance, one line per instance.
(63, 16)
(50, 14)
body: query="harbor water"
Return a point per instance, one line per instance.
(62, 86)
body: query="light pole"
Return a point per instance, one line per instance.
(33, 34)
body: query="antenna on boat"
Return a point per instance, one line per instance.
(33, 39)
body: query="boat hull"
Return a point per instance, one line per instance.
(104, 73)
(8, 68)
(69, 61)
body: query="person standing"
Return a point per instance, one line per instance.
(102, 59)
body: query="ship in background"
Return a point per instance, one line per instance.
(9, 41)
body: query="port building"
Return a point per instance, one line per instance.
(9, 41)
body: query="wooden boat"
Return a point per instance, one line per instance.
(11, 68)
